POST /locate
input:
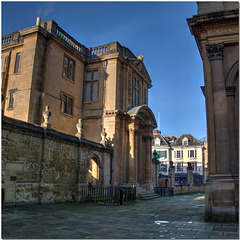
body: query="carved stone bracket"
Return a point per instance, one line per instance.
(215, 51)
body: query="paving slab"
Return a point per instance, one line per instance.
(178, 217)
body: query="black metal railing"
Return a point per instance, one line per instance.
(164, 191)
(112, 195)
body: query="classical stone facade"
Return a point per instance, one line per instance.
(105, 86)
(43, 165)
(216, 31)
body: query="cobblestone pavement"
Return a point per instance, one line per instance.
(178, 217)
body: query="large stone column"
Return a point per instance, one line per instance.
(148, 166)
(131, 167)
(171, 171)
(190, 176)
(220, 187)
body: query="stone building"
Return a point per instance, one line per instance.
(216, 31)
(105, 86)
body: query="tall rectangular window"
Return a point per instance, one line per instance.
(192, 153)
(68, 68)
(66, 104)
(136, 92)
(194, 165)
(179, 167)
(178, 154)
(17, 62)
(11, 99)
(91, 86)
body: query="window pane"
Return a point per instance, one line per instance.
(17, 62)
(69, 107)
(134, 96)
(11, 99)
(95, 75)
(87, 92)
(64, 103)
(66, 67)
(137, 84)
(71, 68)
(191, 153)
(95, 91)
(137, 98)
(88, 76)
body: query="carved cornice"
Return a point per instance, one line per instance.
(215, 51)
(110, 113)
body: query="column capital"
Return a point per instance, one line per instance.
(215, 51)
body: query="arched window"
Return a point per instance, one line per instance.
(93, 171)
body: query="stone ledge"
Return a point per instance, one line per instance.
(33, 128)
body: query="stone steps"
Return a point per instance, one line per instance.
(148, 196)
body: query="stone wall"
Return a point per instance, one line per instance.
(186, 189)
(46, 165)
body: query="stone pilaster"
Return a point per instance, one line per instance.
(215, 55)
(131, 156)
(220, 187)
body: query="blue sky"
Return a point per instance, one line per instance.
(157, 30)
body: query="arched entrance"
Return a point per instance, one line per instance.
(141, 167)
(93, 171)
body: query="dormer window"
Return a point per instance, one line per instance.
(157, 142)
(185, 142)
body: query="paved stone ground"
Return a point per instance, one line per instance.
(178, 217)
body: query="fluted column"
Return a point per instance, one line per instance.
(215, 56)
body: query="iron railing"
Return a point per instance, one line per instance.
(164, 191)
(112, 195)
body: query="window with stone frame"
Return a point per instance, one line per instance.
(179, 167)
(192, 153)
(163, 154)
(11, 103)
(17, 62)
(66, 104)
(136, 92)
(178, 154)
(91, 86)
(194, 165)
(68, 68)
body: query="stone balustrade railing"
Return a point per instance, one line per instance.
(66, 38)
(87, 53)
(112, 47)
(98, 50)
(11, 39)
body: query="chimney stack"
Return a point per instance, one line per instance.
(38, 21)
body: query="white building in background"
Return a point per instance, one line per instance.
(181, 151)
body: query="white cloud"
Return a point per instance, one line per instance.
(45, 10)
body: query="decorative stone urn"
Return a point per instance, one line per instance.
(46, 116)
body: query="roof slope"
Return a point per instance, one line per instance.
(191, 140)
